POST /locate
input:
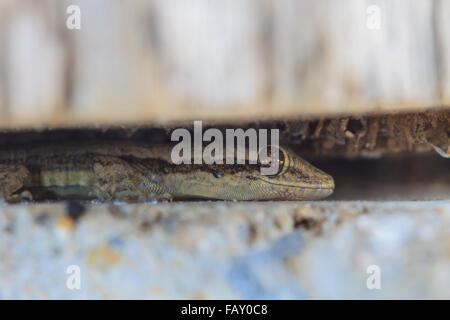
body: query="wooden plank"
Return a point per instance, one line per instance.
(442, 16)
(34, 63)
(147, 61)
(329, 57)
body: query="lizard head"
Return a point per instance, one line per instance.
(295, 178)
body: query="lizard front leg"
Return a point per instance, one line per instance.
(12, 179)
(120, 180)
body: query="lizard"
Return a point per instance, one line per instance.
(133, 172)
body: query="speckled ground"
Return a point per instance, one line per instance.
(291, 250)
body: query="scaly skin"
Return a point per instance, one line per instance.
(131, 171)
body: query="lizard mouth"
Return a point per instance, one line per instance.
(328, 186)
(304, 191)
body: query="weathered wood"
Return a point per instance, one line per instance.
(159, 60)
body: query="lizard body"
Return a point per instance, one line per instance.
(129, 171)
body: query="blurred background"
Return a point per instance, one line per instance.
(98, 61)
(360, 88)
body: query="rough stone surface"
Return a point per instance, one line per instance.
(294, 250)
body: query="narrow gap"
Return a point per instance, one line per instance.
(382, 157)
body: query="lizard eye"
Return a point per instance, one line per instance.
(265, 159)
